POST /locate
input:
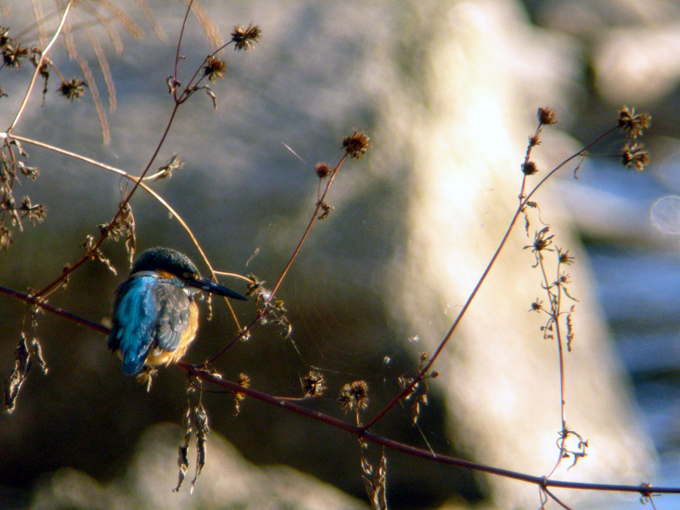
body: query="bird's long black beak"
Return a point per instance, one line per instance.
(215, 288)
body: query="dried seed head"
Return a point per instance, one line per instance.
(634, 155)
(13, 56)
(214, 68)
(354, 396)
(547, 116)
(4, 37)
(73, 89)
(633, 124)
(36, 213)
(245, 38)
(323, 170)
(325, 210)
(243, 381)
(536, 306)
(529, 168)
(313, 384)
(5, 238)
(356, 144)
(541, 241)
(564, 257)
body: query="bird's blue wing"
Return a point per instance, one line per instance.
(134, 321)
(149, 312)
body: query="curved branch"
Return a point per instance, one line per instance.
(40, 62)
(357, 431)
(360, 432)
(138, 181)
(36, 301)
(511, 226)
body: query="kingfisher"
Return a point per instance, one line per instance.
(155, 315)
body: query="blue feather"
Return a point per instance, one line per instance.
(153, 307)
(150, 312)
(134, 321)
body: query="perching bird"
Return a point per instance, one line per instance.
(155, 316)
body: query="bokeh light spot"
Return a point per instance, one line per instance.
(666, 214)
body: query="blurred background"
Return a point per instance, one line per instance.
(448, 93)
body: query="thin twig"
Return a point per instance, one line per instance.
(555, 498)
(555, 303)
(362, 433)
(523, 201)
(39, 65)
(262, 312)
(145, 187)
(179, 46)
(33, 300)
(319, 202)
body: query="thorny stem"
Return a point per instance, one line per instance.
(43, 54)
(362, 433)
(523, 201)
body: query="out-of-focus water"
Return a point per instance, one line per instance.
(635, 256)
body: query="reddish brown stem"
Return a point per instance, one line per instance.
(445, 341)
(34, 300)
(319, 202)
(362, 433)
(105, 234)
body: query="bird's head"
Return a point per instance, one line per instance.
(171, 262)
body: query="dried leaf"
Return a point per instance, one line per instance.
(96, 253)
(212, 96)
(570, 328)
(202, 429)
(376, 485)
(130, 236)
(415, 407)
(196, 419)
(38, 355)
(183, 458)
(16, 378)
